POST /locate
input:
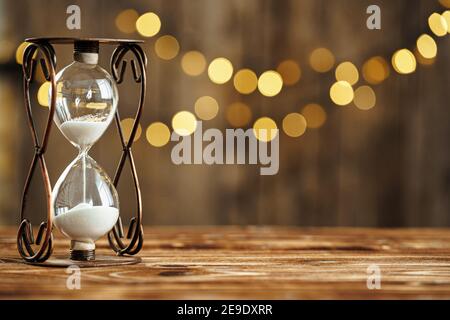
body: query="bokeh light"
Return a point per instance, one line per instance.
(20, 51)
(270, 83)
(220, 70)
(206, 108)
(315, 115)
(365, 98)
(321, 60)
(193, 63)
(438, 24)
(423, 61)
(167, 47)
(43, 92)
(157, 134)
(148, 24)
(290, 72)
(445, 3)
(126, 21)
(375, 70)
(184, 123)
(404, 61)
(238, 114)
(127, 125)
(245, 81)
(446, 16)
(294, 124)
(263, 129)
(341, 93)
(346, 71)
(427, 46)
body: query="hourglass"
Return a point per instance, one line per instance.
(84, 203)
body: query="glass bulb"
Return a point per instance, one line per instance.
(86, 101)
(86, 204)
(84, 200)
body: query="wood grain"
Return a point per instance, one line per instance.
(249, 262)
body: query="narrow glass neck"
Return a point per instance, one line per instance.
(86, 57)
(83, 151)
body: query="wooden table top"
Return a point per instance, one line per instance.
(249, 263)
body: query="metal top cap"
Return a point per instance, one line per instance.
(86, 46)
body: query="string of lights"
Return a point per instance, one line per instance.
(270, 83)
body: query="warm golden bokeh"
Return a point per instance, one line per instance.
(341, 93)
(321, 60)
(404, 61)
(184, 123)
(238, 114)
(158, 134)
(294, 125)
(375, 70)
(245, 81)
(126, 21)
(270, 83)
(206, 108)
(20, 51)
(148, 25)
(438, 24)
(348, 163)
(193, 63)
(315, 115)
(290, 72)
(365, 98)
(423, 61)
(263, 129)
(127, 126)
(347, 71)
(445, 3)
(446, 16)
(426, 46)
(220, 70)
(42, 95)
(167, 47)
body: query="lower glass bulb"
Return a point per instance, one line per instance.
(85, 205)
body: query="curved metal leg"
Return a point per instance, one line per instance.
(25, 237)
(135, 230)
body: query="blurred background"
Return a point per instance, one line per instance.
(371, 153)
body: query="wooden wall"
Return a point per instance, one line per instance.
(385, 167)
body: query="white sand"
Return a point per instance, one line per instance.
(86, 223)
(83, 133)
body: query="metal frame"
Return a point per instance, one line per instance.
(44, 239)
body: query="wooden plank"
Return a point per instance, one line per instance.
(249, 262)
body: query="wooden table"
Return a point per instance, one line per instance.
(249, 263)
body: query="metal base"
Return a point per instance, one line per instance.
(100, 261)
(82, 255)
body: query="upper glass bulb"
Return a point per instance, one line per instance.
(86, 98)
